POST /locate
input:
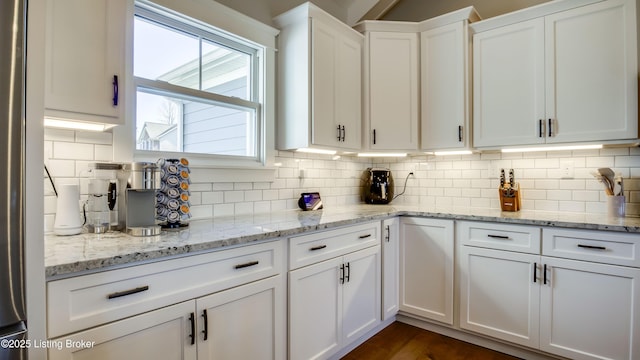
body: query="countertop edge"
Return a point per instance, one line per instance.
(77, 268)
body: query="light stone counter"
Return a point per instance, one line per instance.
(71, 255)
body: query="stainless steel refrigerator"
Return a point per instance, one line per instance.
(13, 320)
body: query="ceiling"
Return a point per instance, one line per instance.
(358, 10)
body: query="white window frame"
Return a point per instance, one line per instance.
(240, 28)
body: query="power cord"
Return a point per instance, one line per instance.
(405, 185)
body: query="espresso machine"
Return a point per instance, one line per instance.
(377, 186)
(105, 207)
(140, 198)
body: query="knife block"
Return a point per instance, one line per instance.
(510, 198)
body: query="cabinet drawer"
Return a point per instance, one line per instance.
(313, 248)
(596, 246)
(86, 301)
(510, 237)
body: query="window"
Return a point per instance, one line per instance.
(197, 88)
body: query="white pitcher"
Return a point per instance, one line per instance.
(68, 220)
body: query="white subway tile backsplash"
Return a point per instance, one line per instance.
(90, 137)
(73, 151)
(466, 181)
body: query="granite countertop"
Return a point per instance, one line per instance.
(71, 255)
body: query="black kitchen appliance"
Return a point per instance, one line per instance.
(377, 186)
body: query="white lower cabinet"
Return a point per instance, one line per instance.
(498, 296)
(426, 268)
(333, 301)
(217, 326)
(564, 306)
(247, 322)
(162, 334)
(390, 267)
(227, 304)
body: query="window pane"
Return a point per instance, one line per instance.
(225, 71)
(165, 54)
(168, 123)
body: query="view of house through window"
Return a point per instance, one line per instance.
(196, 91)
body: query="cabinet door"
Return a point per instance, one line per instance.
(499, 296)
(84, 51)
(315, 307)
(348, 92)
(245, 322)
(160, 334)
(508, 85)
(336, 87)
(590, 311)
(324, 52)
(361, 295)
(393, 91)
(591, 73)
(390, 267)
(426, 268)
(445, 89)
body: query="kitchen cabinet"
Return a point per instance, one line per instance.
(214, 327)
(390, 267)
(320, 84)
(569, 76)
(546, 296)
(247, 322)
(426, 268)
(335, 300)
(86, 60)
(160, 334)
(445, 74)
(175, 308)
(391, 86)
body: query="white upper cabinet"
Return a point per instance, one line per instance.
(445, 81)
(391, 86)
(508, 87)
(86, 60)
(566, 77)
(320, 81)
(591, 73)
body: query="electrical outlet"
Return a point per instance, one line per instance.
(567, 169)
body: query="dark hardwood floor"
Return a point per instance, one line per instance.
(400, 341)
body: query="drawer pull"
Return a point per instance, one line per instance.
(592, 247)
(544, 275)
(535, 272)
(388, 237)
(127, 292)
(245, 265)
(319, 247)
(364, 236)
(342, 274)
(502, 237)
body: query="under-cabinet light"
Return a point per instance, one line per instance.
(553, 148)
(382, 154)
(453, 152)
(317, 151)
(75, 125)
